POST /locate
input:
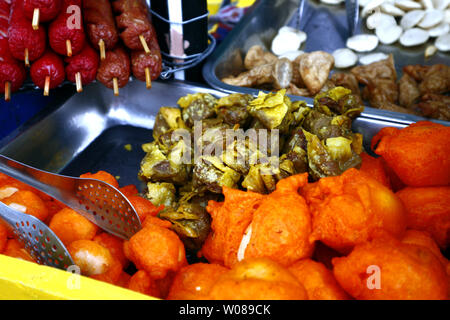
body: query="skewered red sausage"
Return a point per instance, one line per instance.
(12, 73)
(116, 65)
(48, 9)
(141, 60)
(133, 21)
(10, 69)
(100, 24)
(86, 63)
(49, 65)
(22, 37)
(60, 30)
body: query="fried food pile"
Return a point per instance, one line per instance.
(421, 90)
(377, 232)
(243, 142)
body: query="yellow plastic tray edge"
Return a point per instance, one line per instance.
(24, 280)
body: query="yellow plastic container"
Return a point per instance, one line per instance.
(23, 280)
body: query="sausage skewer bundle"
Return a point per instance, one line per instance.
(147, 67)
(139, 35)
(12, 73)
(114, 70)
(100, 25)
(66, 34)
(41, 11)
(48, 71)
(25, 43)
(133, 21)
(82, 68)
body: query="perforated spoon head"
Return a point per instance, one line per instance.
(107, 207)
(39, 240)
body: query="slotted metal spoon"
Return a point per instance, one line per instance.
(96, 200)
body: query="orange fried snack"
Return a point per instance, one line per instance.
(348, 209)
(374, 167)
(114, 245)
(281, 225)
(157, 221)
(258, 279)
(418, 154)
(428, 209)
(129, 190)
(194, 282)
(318, 281)
(16, 250)
(156, 250)
(144, 207)
(3, 237)
(386, 269)
(91, 257)
(70, 226)
(230, 220)
(102, 176)
(422, 238)
(30, 201)
(143, 283)
(124, 279)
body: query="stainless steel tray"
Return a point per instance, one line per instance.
(326, 26)
(88, 132)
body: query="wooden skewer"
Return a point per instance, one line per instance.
(116, 87)
(47, 86)
(148, 78)
(69, 48)
(35, 21)
(27, 58)
(7, 91)
(101, 45)
(144, 44)
(78, 82)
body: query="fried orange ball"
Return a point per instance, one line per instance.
(230, 219)
(428, 209)
(102, 176)
(281, 225)
(114, 245)
(348, 209)
(386, 269)
(422, 238)
(194, 281)
(70, 226)
(129, 190)
(143, 207)
(318, 281)
(124, 279)
(156, 250)
(27, 202)
(91, 257)
(418, 154)
(141, 282)
(258, 279)
(374, 167)
(157, 221)
(16, 250)
(3, 237)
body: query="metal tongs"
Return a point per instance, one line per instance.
(96, 200)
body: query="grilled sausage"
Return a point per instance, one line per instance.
(25, 43)
(64, 38)
(48, 9)
(115, 66)
(133, 21)
(100, 24)
(48, 71)
(86, 63)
